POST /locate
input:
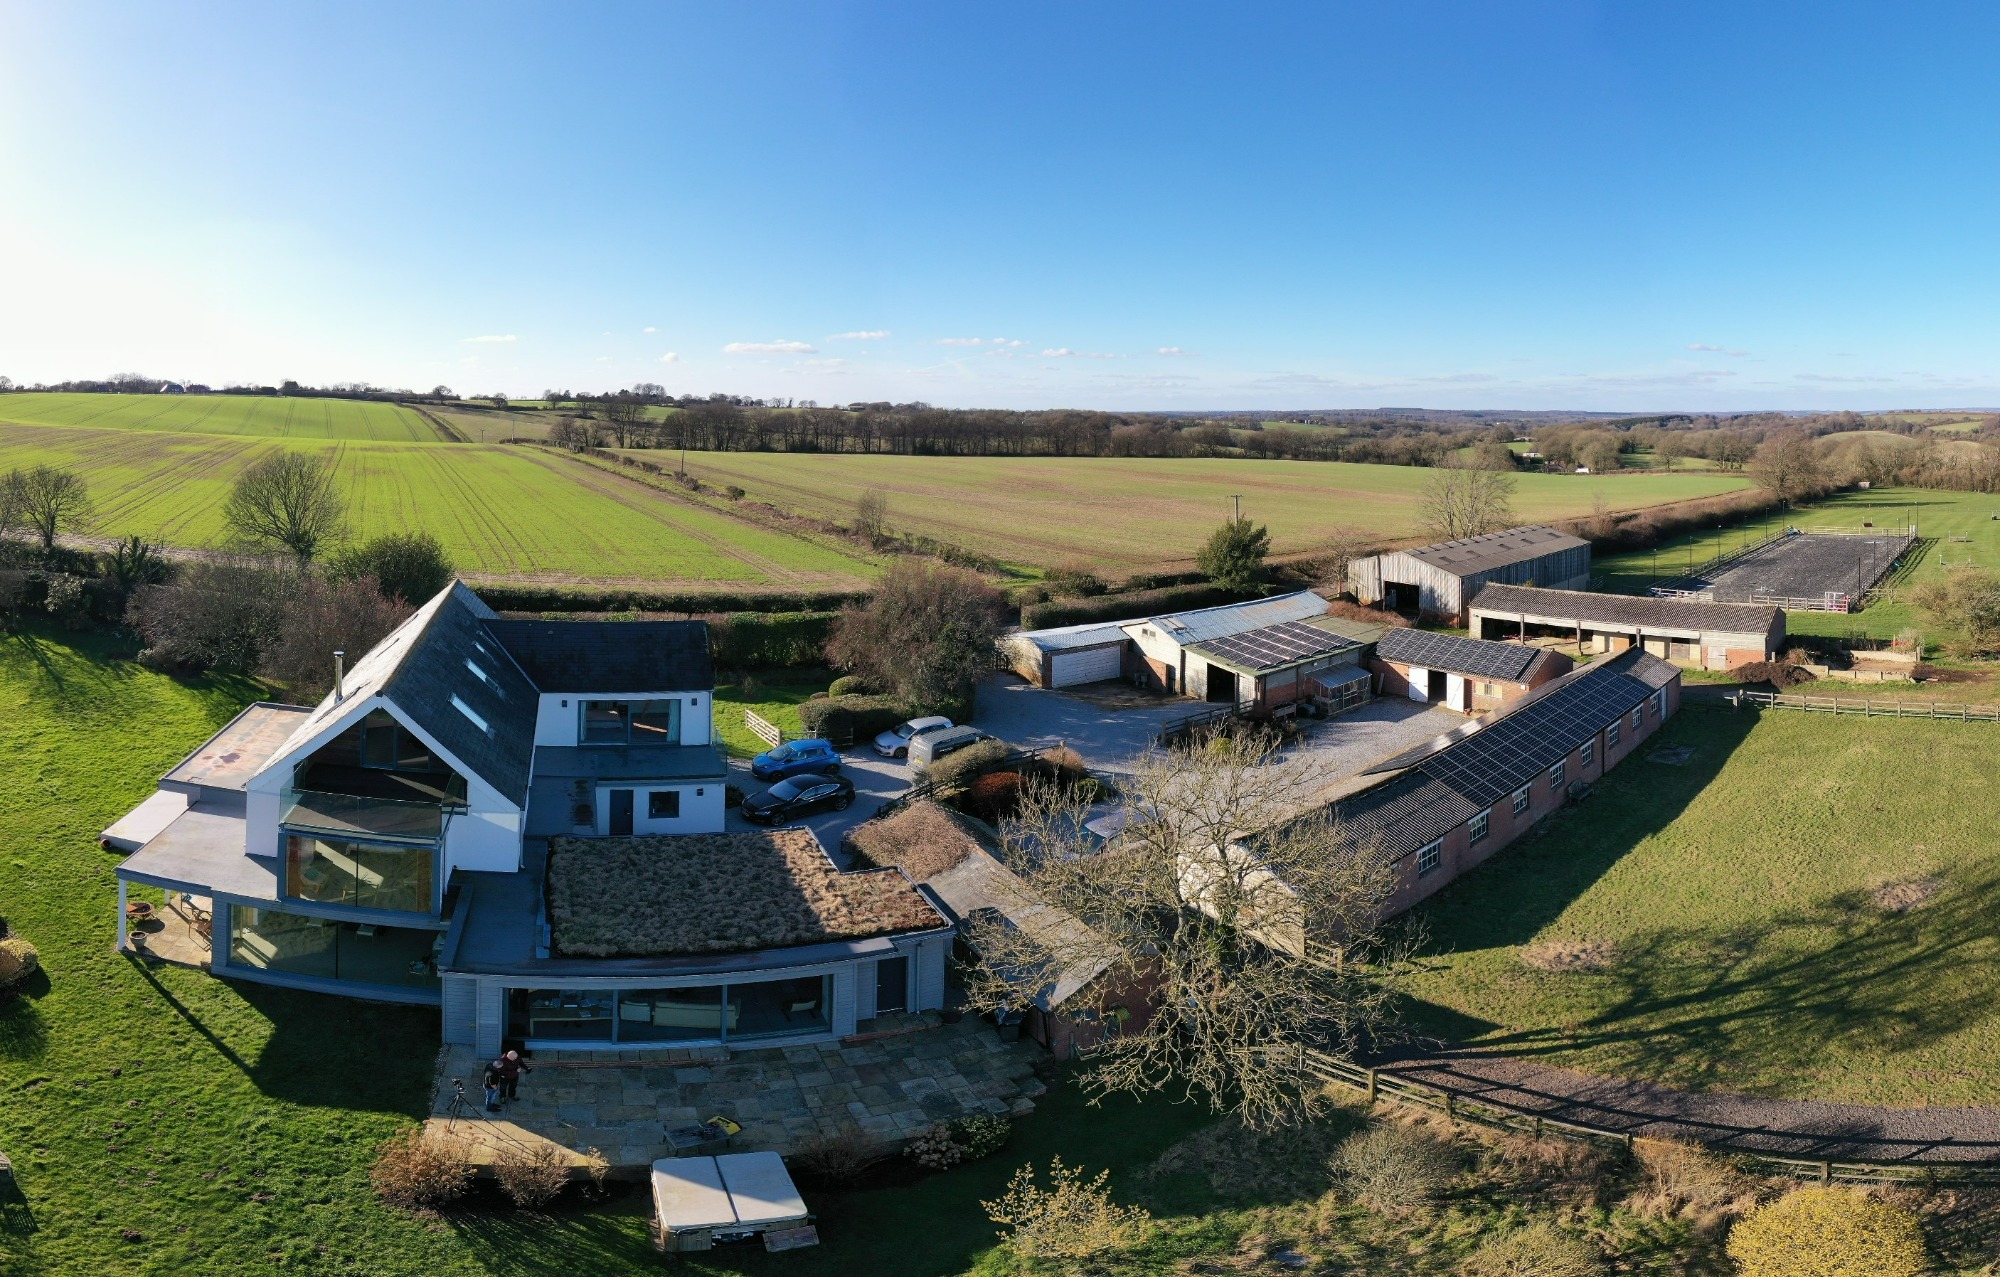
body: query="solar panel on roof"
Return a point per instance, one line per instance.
(1478, 657)
(1282, 644)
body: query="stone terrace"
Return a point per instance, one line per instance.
(912, 1072)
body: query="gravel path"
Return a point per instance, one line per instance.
(1747, 1123)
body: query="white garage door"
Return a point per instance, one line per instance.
(1067, 669)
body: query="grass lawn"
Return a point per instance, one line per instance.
(1121, 514)
(1736, 893)
(1937, 514)
(247, 415)
(525, 514)
(777, 695)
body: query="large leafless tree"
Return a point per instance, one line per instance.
(289, 501)
(1465, 501)
(1231, 903)
(46, 501)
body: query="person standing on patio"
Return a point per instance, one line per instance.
(493, 1079)
(511, 1067)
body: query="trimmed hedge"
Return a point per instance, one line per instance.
(862, 716)
(1122, 607)
(769, 640)
(506, 596)
(849, 685)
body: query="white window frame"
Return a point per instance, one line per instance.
(1588, 750)
(1660, 703)
(1558, 774)
(1429, 857)
(1481, 825)
(1611, 732)
(1524, 798)
(1639, 717)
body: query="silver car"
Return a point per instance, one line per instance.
(895, 743)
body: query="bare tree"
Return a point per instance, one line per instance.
(46, 501)
(289, 500)
(1249, 921)
(1462, 501)
(626, 416)
(871, 514)
(1343, 546)
(1790, 467)
(926, 633)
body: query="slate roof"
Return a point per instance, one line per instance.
(1480, 658)
(1274, 646)
(1638, 610)
(610, 656)
(1469, 556)
(1452, 779)
(1204, 624)
(433, 685)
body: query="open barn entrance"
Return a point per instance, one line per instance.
(1436, 687)
(1402, 596)
(1221, 685)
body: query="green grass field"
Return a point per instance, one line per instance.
(1736, 893)
(1124, 514)
(523, 514)
(1937, 514)
(255, 417)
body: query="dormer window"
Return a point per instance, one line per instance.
(631, 722)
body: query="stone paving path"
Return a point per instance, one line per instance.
(888, 1087)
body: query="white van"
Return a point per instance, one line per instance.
(931, 746)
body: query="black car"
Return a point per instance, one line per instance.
(797, 796)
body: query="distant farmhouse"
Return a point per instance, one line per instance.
(1709, 636)
(520, 823)
(1440, 580)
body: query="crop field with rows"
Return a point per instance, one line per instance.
(249, 415)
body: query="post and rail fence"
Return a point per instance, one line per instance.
(1818, 1155)
(1868, 706)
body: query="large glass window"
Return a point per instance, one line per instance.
(730, 1013)
(632, 722)
(292, 943)
(385, 743)
(360, 875)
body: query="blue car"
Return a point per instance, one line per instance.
(795, 758)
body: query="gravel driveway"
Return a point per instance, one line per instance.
(875, 779)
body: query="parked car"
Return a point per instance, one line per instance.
(931, 746)
(895, 743)
(798, 796)
(796, 758)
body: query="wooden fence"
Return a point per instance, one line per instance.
(1181, 728)
(1869, 706)
(763, 728)
(930, 789)
(1819, 1155)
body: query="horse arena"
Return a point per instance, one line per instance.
(1801, 571)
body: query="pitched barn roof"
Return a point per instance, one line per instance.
(1445, 782)
(1274, 646)
(610, 656)
(1637, 610)
(1204, 624)
(1468, 556)
(1477, 657)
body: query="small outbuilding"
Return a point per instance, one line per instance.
(1698, 635)
(1069, 655)
(1441, 580)
(1468, 675)
(1164, 655)
(1266, 669)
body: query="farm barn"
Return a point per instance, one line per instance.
(1708, 636)
(1440, 580)
(1453, 802)
(1468, 675)
(1068, 656)
(1272, 667)
(1164, 645)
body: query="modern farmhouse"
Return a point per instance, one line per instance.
(522, 822)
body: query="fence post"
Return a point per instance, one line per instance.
(1538, 1126)
(1371, 1087)
(1826, 1172)
(1450, 1107)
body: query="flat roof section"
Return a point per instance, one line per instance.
(239, 751)
(202, 850)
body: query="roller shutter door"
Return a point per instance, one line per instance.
(1067, 669)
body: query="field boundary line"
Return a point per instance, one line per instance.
(1869, 706)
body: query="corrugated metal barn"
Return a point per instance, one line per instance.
(1442, 579)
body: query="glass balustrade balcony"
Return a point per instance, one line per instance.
(358, 816)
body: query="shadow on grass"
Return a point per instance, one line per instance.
(326, 1051)
(24, 1034)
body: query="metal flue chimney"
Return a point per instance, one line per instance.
(339, 670)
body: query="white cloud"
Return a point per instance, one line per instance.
(649, 329)
(961, 341)
(1174, 350)
(604, 359)
(768, 348)
(1701, 345)
(866, 334)
(1098, 354)
(1059, 352)
(670, 358)
(484, 341)
(823, 365)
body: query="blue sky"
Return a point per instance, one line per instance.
(1613, 206)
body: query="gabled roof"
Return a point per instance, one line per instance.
(1273, 647)
(1480, 658)
(610, 656)
(1453, 778)
(1064, 638)
(1468, 556)
(1637, 610)
(451, 679)
(1204, 624)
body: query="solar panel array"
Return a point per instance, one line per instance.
(1477, 657)
(1520, 746)
(1285, 643)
